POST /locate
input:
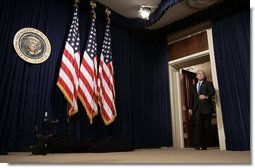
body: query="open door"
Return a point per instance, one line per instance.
(189, 79)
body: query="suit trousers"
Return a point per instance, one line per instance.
(201, 129)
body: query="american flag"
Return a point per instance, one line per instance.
(88, 74)
(69, 69)
(106, 80)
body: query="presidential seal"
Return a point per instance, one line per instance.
(32, 45)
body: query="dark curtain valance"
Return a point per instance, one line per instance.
(218, 11)
(138, 23)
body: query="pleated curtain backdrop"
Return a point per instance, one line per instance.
(28, 90)
(231, 37)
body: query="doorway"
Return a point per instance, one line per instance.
(188, 80)
(181, 127)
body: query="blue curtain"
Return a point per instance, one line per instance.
(149, 78)
(28, 90)
(231, 37)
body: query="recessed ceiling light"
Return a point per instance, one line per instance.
(144, 12)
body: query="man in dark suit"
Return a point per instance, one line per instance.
(201, 108)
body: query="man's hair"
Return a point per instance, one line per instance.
(201, 71)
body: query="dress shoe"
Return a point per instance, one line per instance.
(204, 148)
(196, 148)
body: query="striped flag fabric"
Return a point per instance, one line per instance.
(106, 80)
(69, 69)
(87, 92)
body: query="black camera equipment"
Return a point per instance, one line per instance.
(41, 140)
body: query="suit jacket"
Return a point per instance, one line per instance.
(204, 106)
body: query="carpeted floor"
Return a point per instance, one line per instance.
(138, 156)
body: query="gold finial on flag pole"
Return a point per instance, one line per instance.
(93, 6)
(76, 3)
(108, 13)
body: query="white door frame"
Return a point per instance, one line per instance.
(175, 95)
(176, 111)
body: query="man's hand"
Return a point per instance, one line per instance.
(202, 97)
(190, 112)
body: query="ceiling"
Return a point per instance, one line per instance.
(130, 8)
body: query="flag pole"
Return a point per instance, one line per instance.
(106, 77)
(87, 91)
(108, 13)
(67, 108)
(93, 6)
(76, 2)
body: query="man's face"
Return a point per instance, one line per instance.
(200, 75)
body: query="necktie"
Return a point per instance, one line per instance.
(198, 86)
